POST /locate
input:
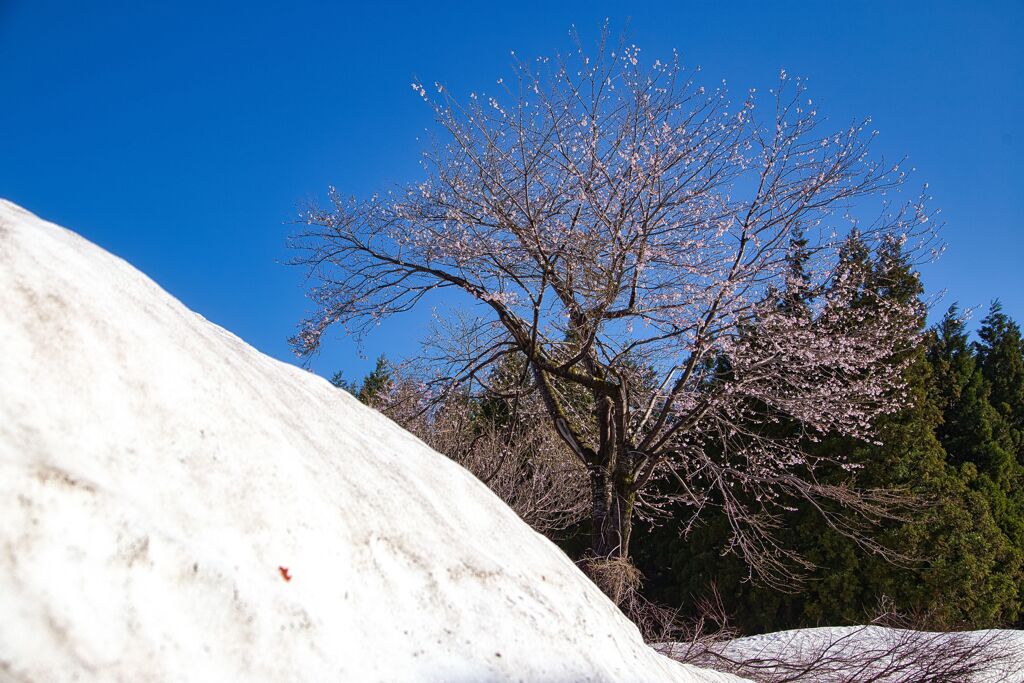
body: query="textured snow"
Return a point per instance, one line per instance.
(1005, 647)
(842, 654)
(158, 476)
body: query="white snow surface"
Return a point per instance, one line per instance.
(157, 473)
(845, 654)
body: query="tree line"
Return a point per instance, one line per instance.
(958, 446)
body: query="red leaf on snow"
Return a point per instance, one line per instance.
(285, 574)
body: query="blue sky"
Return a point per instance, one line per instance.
(181, 136)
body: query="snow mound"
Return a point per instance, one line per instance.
(175, 505)
(840, 654)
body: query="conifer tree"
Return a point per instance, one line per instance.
(375, 385)
(980, 443)
(967, 541)
(968, 420)
(967, 568)
(1000, 354)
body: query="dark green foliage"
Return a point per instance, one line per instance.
(374, 387)
(976, 385)
(956, 446)
(1000, 354)
(338, 380)
(962, 568)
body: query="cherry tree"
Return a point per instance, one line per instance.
(628, 233)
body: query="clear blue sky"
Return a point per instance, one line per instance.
(181, 136)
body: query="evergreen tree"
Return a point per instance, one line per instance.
(966, 539)
(375, 385)
(961, 565)
(338, 380)
(1000, 354)
(980, 443)
(968, 421)
(946, 447)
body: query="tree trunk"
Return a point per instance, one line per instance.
(612, 515)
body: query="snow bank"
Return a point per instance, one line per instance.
(867, 653)
(175, 505)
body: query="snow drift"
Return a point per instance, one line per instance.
(842, 654)
(178, 506)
